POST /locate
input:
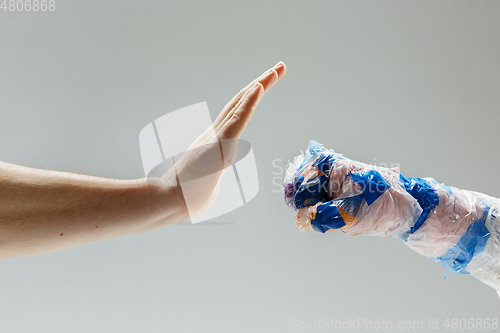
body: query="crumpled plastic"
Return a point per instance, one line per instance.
(457, 228)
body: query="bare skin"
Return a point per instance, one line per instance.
(44, 211)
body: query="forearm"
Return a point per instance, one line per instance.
(44, 211)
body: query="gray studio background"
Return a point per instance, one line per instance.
(408, 82)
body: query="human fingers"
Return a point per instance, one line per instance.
(267, 79)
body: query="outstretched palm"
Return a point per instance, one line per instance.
(200, 168)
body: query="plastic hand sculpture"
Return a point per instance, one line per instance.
(457, 228)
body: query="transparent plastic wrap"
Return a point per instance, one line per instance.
(454, 227)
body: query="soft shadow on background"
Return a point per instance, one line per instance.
(409, 82)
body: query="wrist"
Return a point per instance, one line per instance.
(164, 204)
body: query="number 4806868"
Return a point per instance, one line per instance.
(28, 5)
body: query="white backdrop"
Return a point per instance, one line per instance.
(408, 82)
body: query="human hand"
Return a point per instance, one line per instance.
(45, 211)
(199, 170)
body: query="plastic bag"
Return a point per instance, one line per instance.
(454, 227)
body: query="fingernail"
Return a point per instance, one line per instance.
(278, 64)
